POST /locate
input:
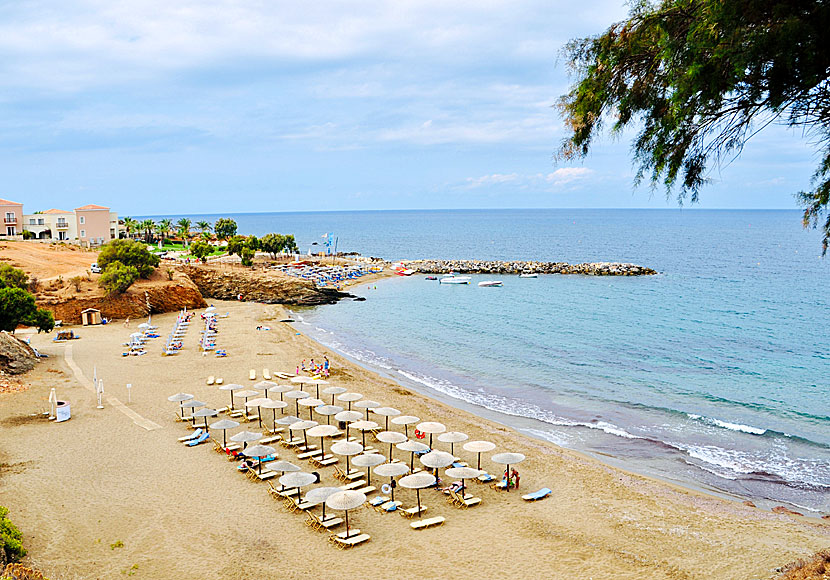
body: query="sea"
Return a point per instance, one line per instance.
(713, 374)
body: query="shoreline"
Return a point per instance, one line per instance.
(538, 428)
(508, 420)
(70, 492)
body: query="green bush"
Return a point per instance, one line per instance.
(201, 250)
(16, 305)
(11, 540)
(117, 277)
(129, 253)
(224, 228)
(12, 277)
(42, 319)
(247, 256)
(27, 235)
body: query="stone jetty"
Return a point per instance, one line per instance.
(526, 267)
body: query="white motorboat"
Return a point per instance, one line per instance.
(491, 283)
(529, 275)
(453, 279)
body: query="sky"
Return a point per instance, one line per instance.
(158, 107)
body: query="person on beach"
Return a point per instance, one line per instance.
(515, 477)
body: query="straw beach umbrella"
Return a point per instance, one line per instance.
(284, 467)
(264, 386)
(301, 381)
(231, 387)
(281, 389)
(412, 447)
(431, 427)
(297, 395)
(436, 459)
(508, 459)
(463, 473)
(334, 391)
(347, 448)
(417, 481)
(322, 431)
(205, 413)
(246, 437)
(245, 394)
(328, 411)
(479, 447)
(297, 479)
(364, 426)
(391, 437)
(386, 412)
(391, 470)
(349, 398)
(348, 417)
(180, 398)
(317, 383)
(453, 437)
(320, 495)
(257, 403)
(406, 421)
(259, 451)
(303, 426)
(346, 500)
(223, 426)
(273, 405)
(309, 402)
(368, 460)
(366, 404)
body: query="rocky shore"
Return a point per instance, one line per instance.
(524, 267)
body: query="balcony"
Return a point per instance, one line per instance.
(10, 220)
(62, 226)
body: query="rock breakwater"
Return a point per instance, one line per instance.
(527, 267)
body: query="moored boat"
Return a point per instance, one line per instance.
(528, 275)
(453, 279)
(490, 283)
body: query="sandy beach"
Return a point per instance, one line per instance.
(80, 489)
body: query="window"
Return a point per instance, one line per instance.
(83, 232)
(40, 221)
(31, 221)
(83, 220)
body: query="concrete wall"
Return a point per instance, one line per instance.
(93, 225)
(11, 223)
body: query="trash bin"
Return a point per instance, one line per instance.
(62, 412)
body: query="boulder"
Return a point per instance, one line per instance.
(16, 357)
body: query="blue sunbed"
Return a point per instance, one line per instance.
(201, 439)
(541, 494)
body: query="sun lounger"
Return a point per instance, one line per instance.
(500, 485)
(353, 485)
(252, 374)
(537, 495)
(274, 430)
(267, 440)
(366, 490)
(211, 380)
(413, 511)
(375, 502)
(265, 475)
(350, 476)
(461, 501)
(350, 542)
(316, 523)
(485, 478)
(428, 523)
(310, 454)
(324, 462)
(266, 374)
(219, 381)
(199, 440)
(192, 436)
(388, 506)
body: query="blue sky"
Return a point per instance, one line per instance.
(158, 107)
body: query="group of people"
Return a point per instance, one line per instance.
(322, 369)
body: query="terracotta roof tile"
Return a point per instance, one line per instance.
(7, 202)
(91, 206)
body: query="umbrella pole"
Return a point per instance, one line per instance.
(182, 410)
(275, 419)
(224, 437)
(347, 466)
(418, 495)
(430, 440)
(206, 426)
(387, 422)
(297, 406)
(479, 461)
(364, 437)
(260, 465)
(347, 524)
(406, 430)
(259, 416)
(507, 474)
(452, 452)
(368, 475)
(392, 485)
(322, 448)
(412, 461)
(318, 391)
(305, 438)
(390, 453)
(231, 394)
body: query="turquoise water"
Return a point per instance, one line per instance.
(713, 373)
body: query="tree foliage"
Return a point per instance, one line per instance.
(277, 243)
(17, 306)
(201, 250)
(11, 540)
(129, 253)
(12, 277)
(224, 228)
(117, 277)
(698, 78)
(247, 256)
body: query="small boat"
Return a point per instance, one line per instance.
(432, 277)
(491, 283)
(453, 279)
(528, 275)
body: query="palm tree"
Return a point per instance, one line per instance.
(204, 226)
(184, 229)
(147, 227)
(130, 225)
(163, 228)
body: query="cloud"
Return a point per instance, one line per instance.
(538, 181)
